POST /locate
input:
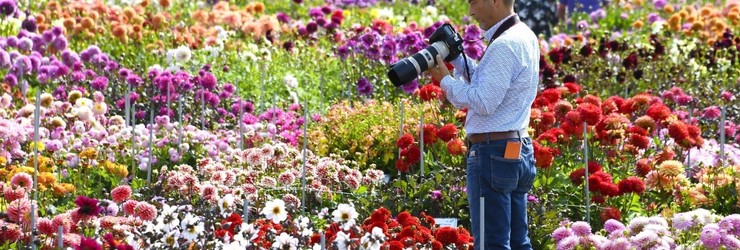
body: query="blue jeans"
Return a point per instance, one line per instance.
(503, 183)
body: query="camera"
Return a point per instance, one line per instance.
(444, 41)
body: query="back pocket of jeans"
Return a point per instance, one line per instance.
(505, 173)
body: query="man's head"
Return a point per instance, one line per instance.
(489, 12)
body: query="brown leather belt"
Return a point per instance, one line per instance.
(492, 136)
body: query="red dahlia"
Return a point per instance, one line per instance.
(589, 113)
(429, 92)
(572, 87)
(547, 120)
(430, 134)
(611, 213)
(447, 132)
(640, 141)
(446, 235)
(643, 167)
(612, 104)
(553, 95)
(658, 111)
(632, 184)
(609, 189)
(595, 100)
(405, 141)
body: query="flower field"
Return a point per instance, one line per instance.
(173, 124)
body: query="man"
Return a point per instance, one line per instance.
(499, 94)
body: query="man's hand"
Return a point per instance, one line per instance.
(440, 70)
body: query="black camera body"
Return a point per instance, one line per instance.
(450, 38)
(444, 41)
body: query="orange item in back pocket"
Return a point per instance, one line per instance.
(513, 149)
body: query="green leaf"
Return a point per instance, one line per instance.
(400, 184)
(361, 190)
(658, 143)
(636, 206)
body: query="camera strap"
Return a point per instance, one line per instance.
(510, 22)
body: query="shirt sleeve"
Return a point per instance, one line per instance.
(459, 64)
(489, 86)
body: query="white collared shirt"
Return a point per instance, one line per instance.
(503, 84)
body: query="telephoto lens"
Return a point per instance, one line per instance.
(445, 42)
